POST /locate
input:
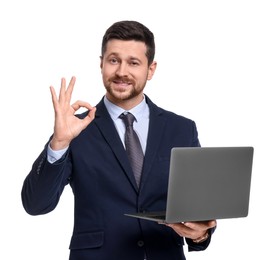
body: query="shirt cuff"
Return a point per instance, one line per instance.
(54, 156)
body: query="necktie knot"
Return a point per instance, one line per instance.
(128, 119)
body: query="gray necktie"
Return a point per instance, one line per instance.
(133, 147)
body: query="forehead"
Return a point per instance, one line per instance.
(124, 49)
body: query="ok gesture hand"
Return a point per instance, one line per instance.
(67, 126)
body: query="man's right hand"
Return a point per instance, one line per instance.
(67, 126)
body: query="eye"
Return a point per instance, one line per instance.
(114, 61)
(134, 63)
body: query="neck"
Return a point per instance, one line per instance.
(127, 104)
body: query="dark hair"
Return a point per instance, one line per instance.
(130, 30)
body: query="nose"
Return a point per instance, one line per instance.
(122, 70)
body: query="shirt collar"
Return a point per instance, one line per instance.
(115, 111)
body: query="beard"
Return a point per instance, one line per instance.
(123, 94)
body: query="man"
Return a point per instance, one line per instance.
(89, 151)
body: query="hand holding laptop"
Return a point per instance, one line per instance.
(197, 231)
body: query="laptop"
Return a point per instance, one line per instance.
(206, 183)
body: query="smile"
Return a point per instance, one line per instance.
(121, 82)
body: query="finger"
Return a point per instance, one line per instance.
(177, 226)
(69, 90)
(54, 96)
(180, 229)
(201, 225)
(192, 225)
(90, 116)
(212, 223)
(62, 90)
(79, 104)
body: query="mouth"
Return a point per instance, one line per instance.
(122, 82)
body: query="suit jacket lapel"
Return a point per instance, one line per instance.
(107, 128)
(156, 127)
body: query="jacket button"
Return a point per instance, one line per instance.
(140, 243)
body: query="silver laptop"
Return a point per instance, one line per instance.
(206, 183)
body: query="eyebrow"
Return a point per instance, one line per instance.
(129, 58)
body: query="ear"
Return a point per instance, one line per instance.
(152, 69)
(101, 62)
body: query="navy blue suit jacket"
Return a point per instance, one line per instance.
(97, 168)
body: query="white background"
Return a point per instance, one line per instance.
(218, 64)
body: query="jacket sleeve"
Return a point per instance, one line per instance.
(44, 184)
(192, 246)
(195, 139)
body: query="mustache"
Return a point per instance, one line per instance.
(122, 79)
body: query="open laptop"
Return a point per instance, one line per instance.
(206, 183)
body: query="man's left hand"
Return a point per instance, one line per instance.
(193, 230)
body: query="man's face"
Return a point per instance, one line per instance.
(125, 71)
